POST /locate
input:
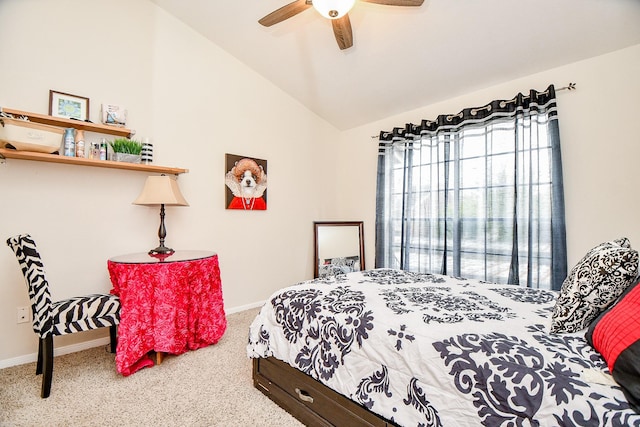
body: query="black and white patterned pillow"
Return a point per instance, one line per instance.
(594, 284)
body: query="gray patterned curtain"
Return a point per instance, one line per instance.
(478, 194)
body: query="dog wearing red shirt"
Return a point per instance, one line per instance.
(248, 182)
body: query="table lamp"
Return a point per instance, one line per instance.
(161, 190)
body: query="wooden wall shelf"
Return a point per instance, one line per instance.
(68, 123)
(54, 158)
(86, 126)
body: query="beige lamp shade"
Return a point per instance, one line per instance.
(161, 190)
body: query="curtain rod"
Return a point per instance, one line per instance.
(569, 87)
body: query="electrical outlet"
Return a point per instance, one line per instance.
(23, 314)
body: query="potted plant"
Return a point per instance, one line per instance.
(126, 150)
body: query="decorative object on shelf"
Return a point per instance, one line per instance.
(124, 157)
(80, 152)
(147, 151)
(246, 182)
(161, 190)
(93, 151)
(114, 115)
(126, 150)
(28, 136)
(69, 143)
(102, 150)
(68, 106)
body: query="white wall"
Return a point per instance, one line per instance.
(600, 137)
(196, 103)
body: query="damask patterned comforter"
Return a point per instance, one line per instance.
(430, 350)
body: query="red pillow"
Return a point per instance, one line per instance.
(615, 334)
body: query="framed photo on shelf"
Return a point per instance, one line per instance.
(68, 106)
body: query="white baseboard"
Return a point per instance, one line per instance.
(59, 351)
(244, 307)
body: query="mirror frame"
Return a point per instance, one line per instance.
(318, 224)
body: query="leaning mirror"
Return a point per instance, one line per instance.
(339, 247)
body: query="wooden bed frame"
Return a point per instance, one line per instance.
(311, 402)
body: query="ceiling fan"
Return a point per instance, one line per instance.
(336, 10)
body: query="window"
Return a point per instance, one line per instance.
(475, 197)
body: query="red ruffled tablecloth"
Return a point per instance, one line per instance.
(167, 307)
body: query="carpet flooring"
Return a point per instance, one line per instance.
(211, 386)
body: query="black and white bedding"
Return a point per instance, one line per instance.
(431, 350)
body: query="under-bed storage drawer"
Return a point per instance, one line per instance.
(308, 400)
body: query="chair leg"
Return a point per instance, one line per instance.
(39, 362)
(47, 361)
(113, 334)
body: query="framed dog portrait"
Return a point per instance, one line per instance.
(246, 183)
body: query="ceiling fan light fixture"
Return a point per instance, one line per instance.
(333, 9)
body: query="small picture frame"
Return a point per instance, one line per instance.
(114, 115)
(68, 106)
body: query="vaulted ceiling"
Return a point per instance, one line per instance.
(407, 57)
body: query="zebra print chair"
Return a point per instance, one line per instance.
(59, 317)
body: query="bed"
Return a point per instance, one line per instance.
(390, 347)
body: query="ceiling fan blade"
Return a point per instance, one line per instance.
(285, 12)
(342, 31)
(397, 2)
